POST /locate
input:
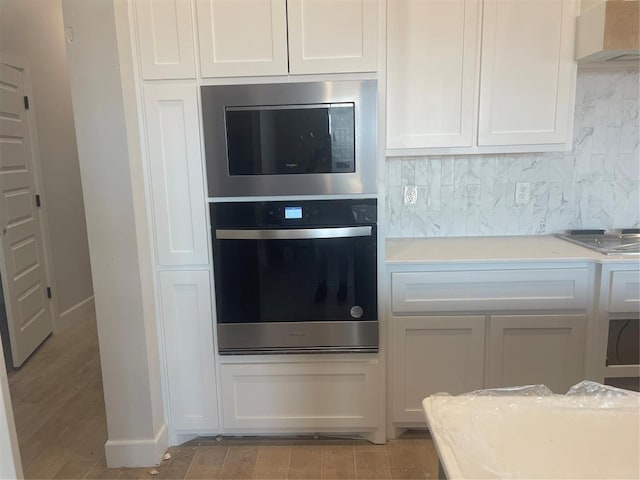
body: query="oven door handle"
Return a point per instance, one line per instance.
(294, 233)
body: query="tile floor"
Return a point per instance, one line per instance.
(60, 420)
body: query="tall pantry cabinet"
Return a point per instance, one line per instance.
(175, 174)
(479, 76)
(180, 45)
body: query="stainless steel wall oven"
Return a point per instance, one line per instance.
(295, 276)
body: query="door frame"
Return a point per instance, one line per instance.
(10, 463)
(22, 64)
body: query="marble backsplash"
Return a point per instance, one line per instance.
(596, 185)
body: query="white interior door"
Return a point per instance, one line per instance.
(22, 253)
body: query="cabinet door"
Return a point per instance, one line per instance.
(432, 72)
(434, 354)
(165, 34)
(237, 38)
(528, 72)
(175, 167)
(332, 36)
(534, 349)
(188, 342)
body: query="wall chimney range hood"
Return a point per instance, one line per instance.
(608, 31)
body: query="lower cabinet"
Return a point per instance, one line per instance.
(536, 349)
(305, 396)
(434, 354)
(188, 343)
(453, 354)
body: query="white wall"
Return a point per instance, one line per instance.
(108, 144)
(33, 30)
(596, 185)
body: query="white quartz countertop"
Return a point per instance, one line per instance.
(537, 248)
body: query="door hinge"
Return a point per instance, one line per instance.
(26, 102)
(37, 200)
(49, 292)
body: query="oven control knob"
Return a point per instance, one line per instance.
(356, 311)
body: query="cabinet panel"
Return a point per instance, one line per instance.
(242, 38)
(625, 291)
(432, 72)
(302, 395)
(188, 339)
(332, 36)
(175, 164)
(434, 354)
(528, 72)
(534, 349)
(550, 288)
(165, 32)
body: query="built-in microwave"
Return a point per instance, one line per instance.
(311, 138)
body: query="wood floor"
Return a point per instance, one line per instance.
(60, 420)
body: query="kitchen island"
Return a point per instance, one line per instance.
(590, 433)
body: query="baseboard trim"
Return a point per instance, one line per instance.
(78, 312)
(137, 453)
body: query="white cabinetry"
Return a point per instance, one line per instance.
(165, 36)
(247, 37)
(179, 230)
(618, 301)
(276, 37)
(536, 349)
(481, 326)
(450, 90)
(434, 354)
(175, 168)
(332, 36)
(528, 72)
(432, 72)
(188, 339)
(323, 395)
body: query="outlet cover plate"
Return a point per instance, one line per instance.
(523, 193)
(410, 194)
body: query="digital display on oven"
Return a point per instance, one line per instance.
(292, 213)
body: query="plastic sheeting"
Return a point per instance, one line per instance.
(529, 432)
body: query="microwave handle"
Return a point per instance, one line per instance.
(294, 233)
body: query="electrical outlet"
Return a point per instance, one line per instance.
(523, 192)
(410, 194)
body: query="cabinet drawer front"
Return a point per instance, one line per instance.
(489, 290)
(625, 292)
(299, 396)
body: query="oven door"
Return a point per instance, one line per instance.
(301, 289)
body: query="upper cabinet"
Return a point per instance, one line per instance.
(165, 34)
(332, 36)
(528, 72)
(432, 72)
(461, 81)
(242, 38)
(277, 37)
